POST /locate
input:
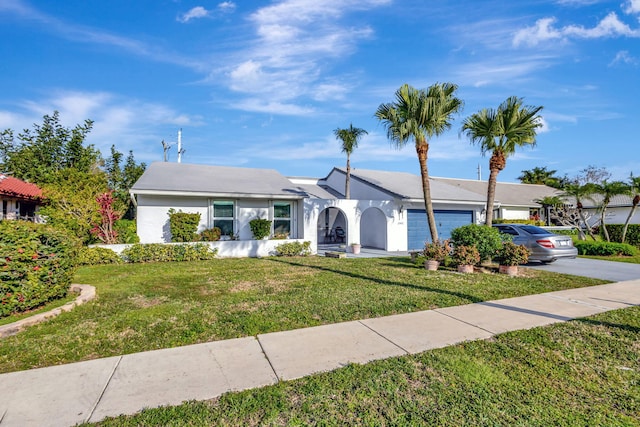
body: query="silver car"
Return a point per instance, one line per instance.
(543, 245)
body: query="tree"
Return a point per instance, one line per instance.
(420, 114)
(634, 189)
(121, 178)
(36, 156)
(349, 138)
(608, 190)
(542, 176)
(579, 193)
(592, 175)
(501, 131)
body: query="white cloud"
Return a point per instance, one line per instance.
(544, 30)
(632, 7)
(273, 107)
(194, 13)
(624, 57)
(226, 6)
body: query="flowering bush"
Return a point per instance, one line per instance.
(466, 255)
(437, 251)
(105, 231)
(511, 254)
(37, 263)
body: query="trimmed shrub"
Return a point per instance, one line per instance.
(97, 255)
(536, 222)
(293, 249)
(511, 254)
(183, 226)
(486, 239)
(37, 263)
(211, 234)
(571, 232)
(159, 252)
(632, 237)
(127, 231)
(260, 228)
(465, 255)
(605, 248)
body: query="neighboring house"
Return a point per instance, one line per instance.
(616, 213)
(386, 209)
(19, 199)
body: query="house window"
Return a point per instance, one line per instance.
(282, 218)
(223, 216)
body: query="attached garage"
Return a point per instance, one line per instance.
(446, 220)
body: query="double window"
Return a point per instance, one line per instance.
(282, 218)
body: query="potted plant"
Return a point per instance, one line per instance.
(355, 248)
(435, 253)
(261, 228)
(465, 257)
(509, 256)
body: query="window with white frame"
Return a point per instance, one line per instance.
(222, 216)
(282, 216)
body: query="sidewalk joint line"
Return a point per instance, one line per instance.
(578, 301)
(268, 360)
(383, 337)
(465, 322)
(104, 389)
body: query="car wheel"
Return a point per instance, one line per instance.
(548, 262)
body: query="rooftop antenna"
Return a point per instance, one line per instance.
(180, 149)
(479, 172)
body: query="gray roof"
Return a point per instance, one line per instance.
(409, 186)
(595, 200)
(204, 180)
(317, 191)
(507, 193)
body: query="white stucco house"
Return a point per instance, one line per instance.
(386, 209)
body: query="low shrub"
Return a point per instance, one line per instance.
(211, 234)
(465, 255)
(159, 252)
(183, 226)
(36, 265)
(632, 237)
(293, 249)
(260, 228)
(564, 232)
(605, 248)
(437, 251)
(511, 254)
(97, 255)
(486, 239)
(127, 231)
(536, 222)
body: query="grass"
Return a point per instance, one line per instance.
(47, 307)
(580, 373)
(144, 307)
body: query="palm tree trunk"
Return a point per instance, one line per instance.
(602, 224)
(631, 212)
(422, 149)
(584, 221)
(491, 195)
(347, 182)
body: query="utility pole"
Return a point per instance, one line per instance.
(180, 149)
(166, 147)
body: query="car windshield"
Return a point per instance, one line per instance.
(531, 229)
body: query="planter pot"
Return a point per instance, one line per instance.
(355, 249)
(511, 270)
(465, 268)
(431, 264)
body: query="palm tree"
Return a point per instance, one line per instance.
(501, 131)
(608, 190)
(420, 114)
(579, 193)
(540, 175)
(634, 187)
(349, 138)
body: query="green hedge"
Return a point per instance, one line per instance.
(126, 229)
(633, 233)
(183, 226)
(605, 248)
(486, 239)
(159, 252)
(539, 223)
(97, 255)
(37, 263)
(293, 249)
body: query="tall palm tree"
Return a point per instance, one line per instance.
(579, 193)
(634, 187)
(608, 190)
(349, 138)
(419, 115)
(501, 131)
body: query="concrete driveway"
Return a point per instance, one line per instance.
(605, 270)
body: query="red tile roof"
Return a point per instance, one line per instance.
(13, 187)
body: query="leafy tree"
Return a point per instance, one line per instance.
(579, 193)
(608, 190)
(634, 189)
(37, 155)
(501, 131)
(122, 177)
(542, 176)
(592, 175)
(349, 138)
(420, 115)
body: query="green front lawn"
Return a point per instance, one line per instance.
(580, 373)
(149, 306)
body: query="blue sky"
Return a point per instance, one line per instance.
(264, 83)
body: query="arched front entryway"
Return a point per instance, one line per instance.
(373, 229)
(332, 226)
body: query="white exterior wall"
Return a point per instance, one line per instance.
(614, 216)
(153, 215)
(514, 212)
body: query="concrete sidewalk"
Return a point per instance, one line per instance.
(89, 391)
